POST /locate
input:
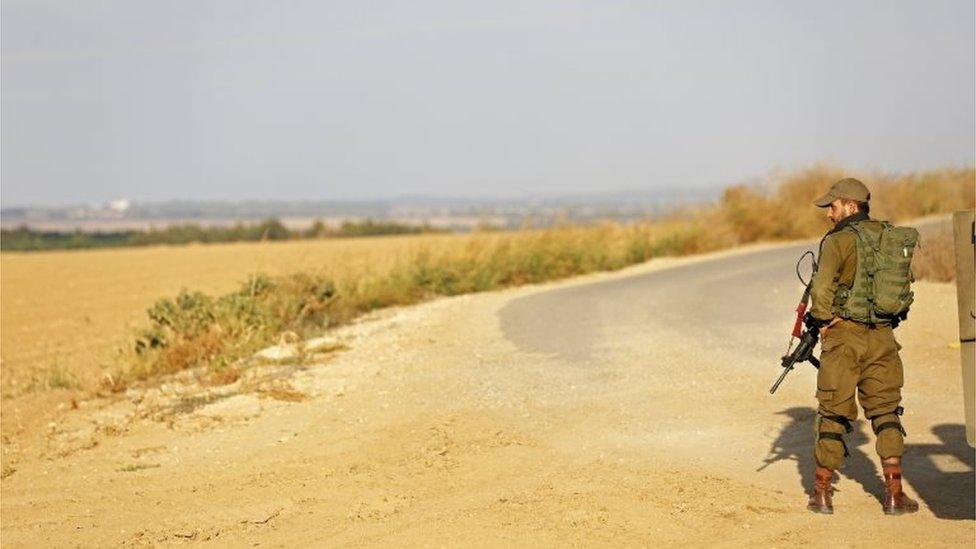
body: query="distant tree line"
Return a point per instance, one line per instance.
(25, 239)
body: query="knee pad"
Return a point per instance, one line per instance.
(828, 435)
(890, 433)
(888, 420)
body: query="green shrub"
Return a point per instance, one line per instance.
(193, 329)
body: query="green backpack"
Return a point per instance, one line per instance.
(882, 289)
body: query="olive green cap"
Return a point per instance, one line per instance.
(848, 188)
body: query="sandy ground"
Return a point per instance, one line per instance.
(624, 409)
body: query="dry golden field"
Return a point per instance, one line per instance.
(64, 315)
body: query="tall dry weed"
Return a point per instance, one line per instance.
(783, 210)
(194, 329)
(935, 258)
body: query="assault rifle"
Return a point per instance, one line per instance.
(808, 338)
(802, 353)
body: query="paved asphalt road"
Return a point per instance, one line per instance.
(724, 303)
(578, 323)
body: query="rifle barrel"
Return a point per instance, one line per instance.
(780, 379)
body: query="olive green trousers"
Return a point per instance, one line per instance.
(858, 359)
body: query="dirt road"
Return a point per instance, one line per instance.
(624, 409)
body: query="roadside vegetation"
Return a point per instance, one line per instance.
(24, 239)
(194, 329)
(935, 259)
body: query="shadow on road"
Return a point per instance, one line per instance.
(947, 491)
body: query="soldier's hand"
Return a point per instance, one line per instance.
(823, 329)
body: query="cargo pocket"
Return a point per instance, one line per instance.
(828, 376)
(825, 396)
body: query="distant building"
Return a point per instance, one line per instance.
(119, 205)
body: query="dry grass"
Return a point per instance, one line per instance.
(195, 329)
(780, 208)
(72, 311)
(935, 258)
(67, 315)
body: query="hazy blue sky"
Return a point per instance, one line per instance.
(320, 100)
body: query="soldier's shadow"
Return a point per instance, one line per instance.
(947, 491)
(944, 473)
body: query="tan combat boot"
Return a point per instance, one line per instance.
(896, 502)
(820, 499)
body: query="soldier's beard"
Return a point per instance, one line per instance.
(841, 215)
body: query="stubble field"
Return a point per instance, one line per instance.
(65, 315)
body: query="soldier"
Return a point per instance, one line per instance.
(856, 356)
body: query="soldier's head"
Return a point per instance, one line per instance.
(845, 198)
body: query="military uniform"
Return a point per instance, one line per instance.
(855, 358)
(859, 353)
